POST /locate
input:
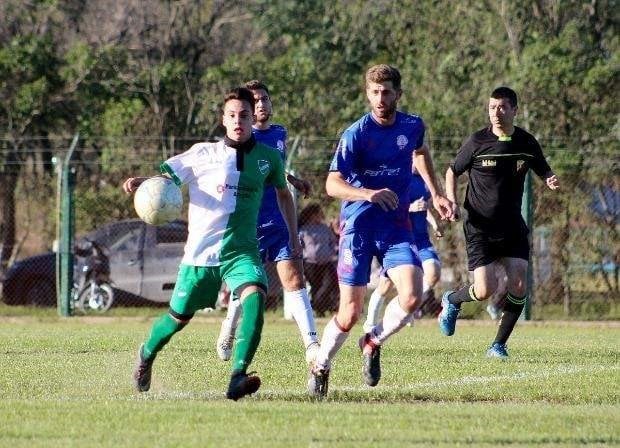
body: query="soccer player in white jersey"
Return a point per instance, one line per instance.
(273, 242)
(371, 173)
(226, 181)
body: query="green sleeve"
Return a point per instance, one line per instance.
(276, 176)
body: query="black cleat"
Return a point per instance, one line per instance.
(142, 372)
(371, 367)
(318, 382)
(242, 384)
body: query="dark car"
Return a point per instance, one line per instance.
(143, 264)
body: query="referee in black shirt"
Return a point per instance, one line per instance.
(496, 159)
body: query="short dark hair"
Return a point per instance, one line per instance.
(255, 84)
(308, 212)
(241, 94)
(383, 73)
(505, 92)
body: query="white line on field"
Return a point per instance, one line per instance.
(518, 376)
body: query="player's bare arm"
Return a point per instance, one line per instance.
(338, 187)
(287, 208)
(451, 192)
(424, 164)
(301, 185)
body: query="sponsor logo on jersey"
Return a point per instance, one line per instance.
(280, 145)
(264, 166)
(382, 171)
(489, 162)
(401, 141)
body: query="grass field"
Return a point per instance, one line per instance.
(66, 382)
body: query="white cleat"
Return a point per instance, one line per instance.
(224, 344)
(311, 352)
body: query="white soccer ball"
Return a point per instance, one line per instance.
(158, 200)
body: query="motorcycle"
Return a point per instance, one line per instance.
(93, 292)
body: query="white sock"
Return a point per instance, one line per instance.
(232, 315)
(394, 319)
(298, 303)
(333, 338)
(374, 308)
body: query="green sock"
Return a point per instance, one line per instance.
(249, 331)
(161, 332)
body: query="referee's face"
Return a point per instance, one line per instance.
(383, 98)
(501, 113)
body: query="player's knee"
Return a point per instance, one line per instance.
(348, 317)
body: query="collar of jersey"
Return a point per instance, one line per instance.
(242, 149)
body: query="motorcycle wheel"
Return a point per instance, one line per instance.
(96, 303)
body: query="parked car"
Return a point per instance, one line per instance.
(143, 264)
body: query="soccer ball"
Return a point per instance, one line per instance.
(158, 201)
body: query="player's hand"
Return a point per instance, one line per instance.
(132, 184)
(445, 207)
(552, 182)
(301, 185)
(438, 232)
(419, 205)
(384, 198)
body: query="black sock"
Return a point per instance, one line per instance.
(512, 310)
(465, 294)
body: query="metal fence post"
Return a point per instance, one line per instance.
(64, 256)
(528, 217)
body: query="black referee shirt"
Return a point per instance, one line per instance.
(497, 169)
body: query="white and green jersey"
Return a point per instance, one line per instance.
(223, 201)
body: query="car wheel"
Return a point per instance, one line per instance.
(41, 292)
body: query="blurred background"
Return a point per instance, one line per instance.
(140, 81)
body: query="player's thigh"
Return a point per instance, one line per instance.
(516, 275)
(242, 271)
(432, 270)
(196, 288)
(407, 279)
(485, 280)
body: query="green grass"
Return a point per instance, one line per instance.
(66, 382)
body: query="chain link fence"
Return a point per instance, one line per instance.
(575, 256)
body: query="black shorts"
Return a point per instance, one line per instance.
(485, 247)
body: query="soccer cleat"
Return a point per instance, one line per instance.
(497, 350)
(142, 372)
(225, 341)
(242, 384)
(448, 315)
(311, 351)
(493, 311)
(371, 367)
(318, 381)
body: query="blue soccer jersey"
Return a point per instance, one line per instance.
(269, 213)
(418, 189)
(373, 156)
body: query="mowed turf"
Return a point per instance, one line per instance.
(66, 383)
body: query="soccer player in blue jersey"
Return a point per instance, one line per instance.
(420, 216)
(371, 173)
(496, 158)
(273, 240)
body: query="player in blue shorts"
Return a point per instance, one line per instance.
(420, 216)
(371, 173)
(273, 239)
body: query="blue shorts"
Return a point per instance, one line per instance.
(424, 250)
(391, 247)
(273, 244)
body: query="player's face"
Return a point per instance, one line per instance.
(383, 98)
(237, 119)
(501, 112)
(263, 106)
